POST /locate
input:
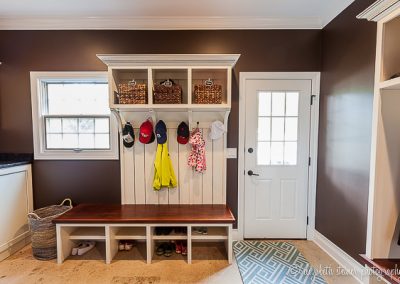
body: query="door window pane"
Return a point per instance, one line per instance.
(276, 153)
(70, 141)
(70, 125)
(264, 129)
(278, 104)
(264, 153)
(291, 128)
(102, 125)
(290, 153)
(264, 104)
(102, 141)
(278, 128)
(292, 104)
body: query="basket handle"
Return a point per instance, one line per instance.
(65, 200)
(34, 215)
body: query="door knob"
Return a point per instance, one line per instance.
(250, 150)
(251, 173)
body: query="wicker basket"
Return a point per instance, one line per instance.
(167, 93)
(206, 94)
(44, 243)
(132, 93)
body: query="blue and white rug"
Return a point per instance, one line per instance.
(267, 262)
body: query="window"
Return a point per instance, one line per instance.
(71, 117)
(277, 128)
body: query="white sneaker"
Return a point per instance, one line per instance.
(75, 249)
(87, 246)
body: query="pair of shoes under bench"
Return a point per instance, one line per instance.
(83, 247)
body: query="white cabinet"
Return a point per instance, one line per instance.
(15, 204)
(383, 231)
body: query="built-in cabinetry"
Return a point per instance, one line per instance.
(15, 204)
(384, 193)
(145, 72)
(107, 237)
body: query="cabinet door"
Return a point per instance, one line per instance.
(13, 207)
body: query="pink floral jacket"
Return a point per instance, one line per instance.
(197, 157)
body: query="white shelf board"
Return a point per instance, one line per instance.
(171, 107)
(171, 236)
(213, 233)
(392, 84)
(88, 233)
(131, 233)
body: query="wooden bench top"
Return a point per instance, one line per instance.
(116, 213)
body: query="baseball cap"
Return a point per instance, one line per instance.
(183, 133)
(128, 136)
(161, 132)
(146, 134)
(217, 130)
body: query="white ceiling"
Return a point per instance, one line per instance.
(168, 14)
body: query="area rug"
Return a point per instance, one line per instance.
(273, 262)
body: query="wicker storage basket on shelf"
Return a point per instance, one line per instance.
(44, 243)
(208, 94)
(167, 93)
(132, 93)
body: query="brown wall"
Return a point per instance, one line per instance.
(24, 51)
(348, 48)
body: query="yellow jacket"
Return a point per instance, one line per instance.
(164, 175)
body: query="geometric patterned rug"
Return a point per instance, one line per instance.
(273, 263)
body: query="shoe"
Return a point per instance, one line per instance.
(160, 249)
(75, 249)
(168, 250)
(204, 230)
(196, 230)
(87, 246)
(178, 247)
(121, 245)
(128, 245)
(184, 248)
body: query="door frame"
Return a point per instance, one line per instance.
(314, 121)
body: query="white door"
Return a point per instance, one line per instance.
(277, 158)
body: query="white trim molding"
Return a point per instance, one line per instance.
(157, 23)
(379, 10)
(352, 267)
(315, 92)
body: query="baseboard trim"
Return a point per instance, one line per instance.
(15, 247)
(359, 272)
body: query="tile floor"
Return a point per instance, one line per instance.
(209, 266)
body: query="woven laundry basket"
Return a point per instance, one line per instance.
(44, 242)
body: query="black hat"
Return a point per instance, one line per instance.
(161, 132)
(128, 135)
(183, 133)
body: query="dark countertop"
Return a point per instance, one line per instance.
(11, 160)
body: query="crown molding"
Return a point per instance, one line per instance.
(121, 60)
(378, 10)
(156, 23)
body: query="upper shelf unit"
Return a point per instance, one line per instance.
(170, 82)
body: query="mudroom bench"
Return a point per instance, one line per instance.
(112, 223)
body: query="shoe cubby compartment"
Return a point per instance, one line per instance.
(178, 76)
(203, 76)
(137, 235)
(210, 250)
(213, 233)
(69, 236)
(128, 76)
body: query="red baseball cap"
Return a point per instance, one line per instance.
(183, 133)
(146, 132)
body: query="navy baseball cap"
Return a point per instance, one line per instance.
(161, 132)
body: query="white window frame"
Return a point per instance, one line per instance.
(38, 81)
